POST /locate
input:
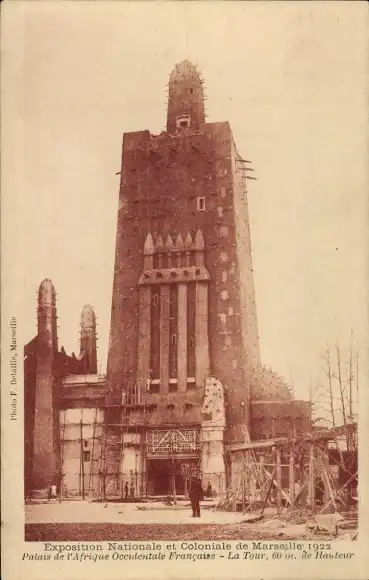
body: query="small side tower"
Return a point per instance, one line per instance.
(46, 425)
(88, 339)
(185, 99)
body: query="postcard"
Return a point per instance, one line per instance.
(184, 290)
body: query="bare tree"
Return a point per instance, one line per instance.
(342, 387)
(332, 399)
(322, 396)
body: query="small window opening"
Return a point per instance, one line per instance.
(85, 443)
(155, 299)
(200, 203)
(173, 339)
(183, 121)
(191, 91)
(86, 456)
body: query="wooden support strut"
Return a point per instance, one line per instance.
(82, 465)
(61, 471)
(326, 472)
(292, 477)
(234, 488)
(268, 491)
(279, 479)
(244, 486)
(283, 493)
(90, 483)
(339, 491)
(102, 461)
(311, 478)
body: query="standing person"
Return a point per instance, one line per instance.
(195, 496)
(132, 490)
(53, 491)
(209, 490)
(126, 490)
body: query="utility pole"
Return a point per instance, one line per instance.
(350, 380)
(82, 464)
(173, 476)
(349, 437)
(341, 385)
(357, 380)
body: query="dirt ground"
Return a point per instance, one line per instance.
(84, 520)
(150, 532)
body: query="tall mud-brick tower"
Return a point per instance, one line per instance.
(45, 455)
(183, 298)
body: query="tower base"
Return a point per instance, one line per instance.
(213, 465)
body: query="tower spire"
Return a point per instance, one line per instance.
(88, 339)
(185, 99)
(45, 450)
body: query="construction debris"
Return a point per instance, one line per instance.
(289, 474)
(325, 523)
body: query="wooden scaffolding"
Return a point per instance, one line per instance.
(256, 474)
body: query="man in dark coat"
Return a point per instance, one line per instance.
(196, 494)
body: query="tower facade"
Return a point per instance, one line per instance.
(183, 306)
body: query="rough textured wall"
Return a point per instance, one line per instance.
(267, 385)
(185, 97)
(162, 179)
(46, 450)
(30, 366)
(280, 418)
(244, 251)
(88, 340)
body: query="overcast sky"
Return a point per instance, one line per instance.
(292, 80)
